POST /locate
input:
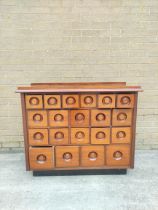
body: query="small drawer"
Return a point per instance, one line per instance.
(70, 101)
(100, 118)
(79, 135)
(38, 137)
(125, 101)
(118, 155)
(121, 135)
(58, 136)
(34, 101)
(100, 135)
(41, 158)
(52, 101)
(88, 100)
(67, 156)
(92, 156)
(106, 100)
(37, 119)
(122, 117)
(79, 118)
(58, 118)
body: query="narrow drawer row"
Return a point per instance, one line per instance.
(79, 118)
(79, 136)
(79, 101)
(79, 156)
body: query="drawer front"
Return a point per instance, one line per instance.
(121, 135)
(38, 137)
(79, 118)
(125, 101)
(67, 156)
(88, 100)
(100, 135)
(58, 136)
(92, 156)
(70, 101)
(79, 135)
(52, 101)
(122, 117)
(100, 118)
(41, 158)
(106, 100)
(34, 101)
(118, 155)
(58, 118)
(37, 119)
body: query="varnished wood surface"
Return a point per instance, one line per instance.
(85, 128)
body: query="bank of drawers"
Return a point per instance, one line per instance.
(79, 130)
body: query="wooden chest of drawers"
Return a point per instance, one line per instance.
(78, 126)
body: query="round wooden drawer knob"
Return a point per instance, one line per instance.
(79, 117)
(70, 100)
(107, 100)
(80, 135)
(59, 135)
(100, 135)
(37, 117)
(121, 134)
(58, 117)
(38, 136)
(41, 158)
(34, 101)
(92, 156)
(67, 156)
(88, 100)
(125, 100)
(52, 101)
(122, 116)
(117, 155)
(100, 117)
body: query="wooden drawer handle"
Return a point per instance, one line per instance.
(125, 100)
(37, 117)
(70, 100)
(117, 155)
(100, 117)
(34, 101)
(100, 135)
(41, 158)
(59, 135)
(67, 156)
(38, 136)
(80, 135)
(58, 117)
(122, 116)
(79, 117)
(52, 101)
(107, 100)
(92, 156)
(121, 134)
(88, 100)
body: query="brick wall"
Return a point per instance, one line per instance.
(78, 40)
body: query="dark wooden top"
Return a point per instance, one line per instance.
(78, 87)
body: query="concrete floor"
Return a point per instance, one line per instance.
(138, 190)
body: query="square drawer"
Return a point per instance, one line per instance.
(37, 118)
(58, 118)
(125, 101)
(58, 136)
(100, 118)
(41, 158)
(67, 156)
(121, 135)
(79, 135)
(122, 117)
(100, 135)
(52, 101)
(79, 118)
(70, 101)
(38, 137)
(118, 155)
(88, 100)
(106, 100)
(34, 101)
(92, 156)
